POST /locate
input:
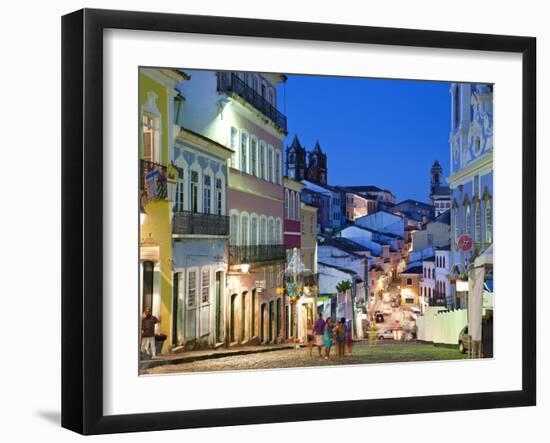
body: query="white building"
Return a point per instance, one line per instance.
(427, 283)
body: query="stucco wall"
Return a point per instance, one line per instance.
(440, 326)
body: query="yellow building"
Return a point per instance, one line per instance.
(158, 178)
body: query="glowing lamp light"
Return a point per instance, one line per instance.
(245, 268)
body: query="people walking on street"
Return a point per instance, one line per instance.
(349, 337)
(318, 332)
(340, 334)
(148, 322)
(310, 337)
(327, 337)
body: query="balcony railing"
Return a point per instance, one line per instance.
(195, 223)
(255, 253)
(230, 82)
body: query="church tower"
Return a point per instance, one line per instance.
(436, 173)
(317, 166)
(440, 194)
(296, 161)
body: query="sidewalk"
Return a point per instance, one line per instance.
(206, 354)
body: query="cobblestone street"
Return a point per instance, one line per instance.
(292, 358)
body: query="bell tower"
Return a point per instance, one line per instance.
(436, 172)
(296, 160)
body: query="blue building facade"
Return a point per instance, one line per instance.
(471, 179)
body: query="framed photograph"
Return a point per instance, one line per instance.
(269, 221)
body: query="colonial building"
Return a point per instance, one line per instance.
(440, 195)
(336, 199)
(306, 306)
(239, 110)
(471, 179)
(445, 293)
(415, 213)
(427, 283)
(410, 286)
(292, 216)
(358, 205)
(157, 187)
(384, 197)
(434, 234)
(200, 228)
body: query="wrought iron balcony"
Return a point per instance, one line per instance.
(195, 223)
(255, 253)
(230, 82)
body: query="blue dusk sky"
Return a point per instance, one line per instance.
(381, 132)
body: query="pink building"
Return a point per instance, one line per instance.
(292, 215)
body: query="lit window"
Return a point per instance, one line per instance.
(180, 193)
(262, 160)
(194, 177)
(151, 138)
(477, 222)
(254, 230)
(207, 195)
(233, 146)
(489, 221)
(219, 197)
(253, 156)
(244, 150)
(244, 230)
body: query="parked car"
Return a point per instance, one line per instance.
(463, 340)
(415, 311)
(379, 317)
(387, 311)
(386, 335)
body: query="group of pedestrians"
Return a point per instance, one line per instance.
(325, 334)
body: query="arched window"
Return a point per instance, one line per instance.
(151, 138)
(262, 161)
(477, 216)
(253, 156)
(287, 197)
(270, 164)
(292, 215)
(234, 229)
(278, 239)
(244, 229)
(244, 152)
(263, 230)
(207, 194)
(468, 219)
(277, 167)
(180, 192)
(298, 206)
(489, 221)
(254, 230)
(270, 232)
(219, 196)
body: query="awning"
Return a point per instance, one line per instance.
(485, 258)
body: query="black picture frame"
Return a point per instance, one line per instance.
(82, 218)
